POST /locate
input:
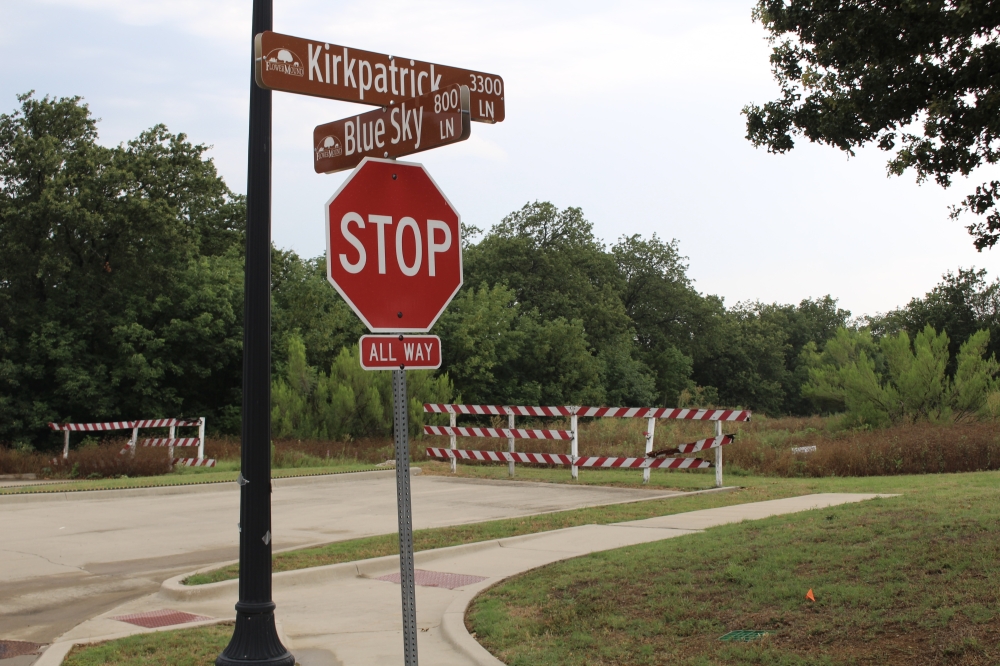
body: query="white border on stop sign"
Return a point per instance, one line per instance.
(329, 278)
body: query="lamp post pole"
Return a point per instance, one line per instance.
(255, 637)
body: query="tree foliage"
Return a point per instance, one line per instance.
(893, 379)
(961, 304)
(347, 402)
(120, 278)
(918, 78)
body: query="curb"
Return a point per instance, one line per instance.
(57, 652)
(453, 627)
(187, 488)
(173, 589)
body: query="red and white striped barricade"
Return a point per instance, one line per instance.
(169, 442)
(651, 414)
(562, 459)
(510, 411)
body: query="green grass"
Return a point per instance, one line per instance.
(442, 537)
(182, 476)
(620, 478)
(756, 489)
(182, 647)
(905, 580)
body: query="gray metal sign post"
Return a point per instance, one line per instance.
(407, 584)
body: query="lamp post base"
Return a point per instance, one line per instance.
(255, 639)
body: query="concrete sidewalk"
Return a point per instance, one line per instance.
(67, 557)
(344, 614)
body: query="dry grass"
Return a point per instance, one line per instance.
(764, 446)
(906, 449)
(102, 459)
(96, 461)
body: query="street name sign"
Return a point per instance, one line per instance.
(321, 69)
(415, 125)
(393, 246)
(392, 352)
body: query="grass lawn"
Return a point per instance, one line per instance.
(906, 580)
(755, 489)
(622, 478)
(182, 476)
(182, 647)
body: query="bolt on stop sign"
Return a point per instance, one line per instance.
(393, 246)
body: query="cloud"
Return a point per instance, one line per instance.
(227, 20)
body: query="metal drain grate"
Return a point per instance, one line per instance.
(10, 649)
(436, 579)
(744, 635)
(160, 618)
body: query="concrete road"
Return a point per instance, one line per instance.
(70, 556)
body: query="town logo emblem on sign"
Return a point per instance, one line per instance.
(284, 61)
(328, 148)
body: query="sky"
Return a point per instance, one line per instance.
(629, 110)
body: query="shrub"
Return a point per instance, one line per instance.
(92, 461)
(892, 381)
(921, 448)
(349, 402)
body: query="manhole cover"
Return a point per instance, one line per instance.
(744, 635)
(160, 618)
(436, 579)
(9, 649)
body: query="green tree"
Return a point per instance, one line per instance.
(961, 304)
(890, 380)
(349, 401)
(552, 262)
(304, 304)
(479, 339)
(500, 352)
(746, 360)
(120, 274)
(669, 317)
(811, 322)
(918, 78)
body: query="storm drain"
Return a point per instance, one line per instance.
(436, 579)
(10, 649)
(744, 635)
(160, 618)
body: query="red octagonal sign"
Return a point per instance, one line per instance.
(393, 246)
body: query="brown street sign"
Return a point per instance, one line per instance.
(322, 69)
(415, 125)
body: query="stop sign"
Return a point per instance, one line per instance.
(393, 246)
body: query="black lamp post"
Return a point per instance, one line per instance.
(255, 638)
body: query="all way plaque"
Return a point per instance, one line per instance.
(321, 69)
(414, 125)
(409, 352)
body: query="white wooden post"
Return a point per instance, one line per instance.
(454, 440)
(718, 455)
(132, 442)
(650, 426)
(575, 450)
(510, 440)
(170, 449)
(201, 438)
(65, 443)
